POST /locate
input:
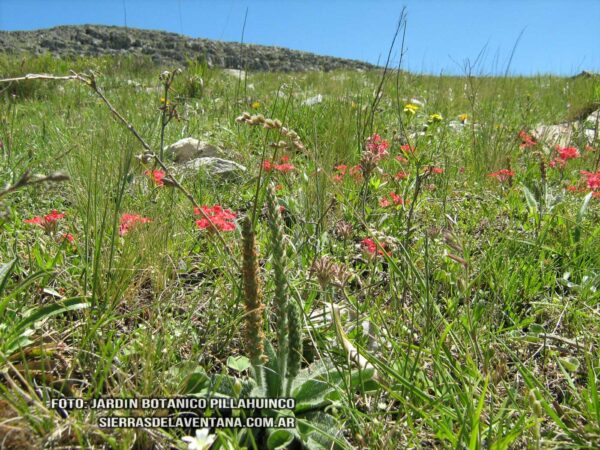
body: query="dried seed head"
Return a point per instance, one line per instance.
(343, 230)
(269, 124)
(324, 270)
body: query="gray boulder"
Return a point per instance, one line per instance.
(213, 166)
(190, 148)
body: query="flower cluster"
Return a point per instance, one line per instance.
(432, 169)
(564, 154)
(435, 118)
(342, 170)
(215, 217)
(283, 167)
(526, 140)
(376, 145)
(47, 222)
(396, 199)
(502, 174)
(592, 179)
(371, 249)
(128, 221)
(411, 108)
(401, 175)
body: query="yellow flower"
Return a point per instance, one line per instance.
(410, 108)
(435, 118)
(165, 101)
(463, 117)
(255, 105)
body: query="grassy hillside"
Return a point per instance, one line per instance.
(432, 270)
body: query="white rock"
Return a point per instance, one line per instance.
(560, 134)
(593, 119)
(214, 166)
(236, 73)
(313, 100)
(190, 148)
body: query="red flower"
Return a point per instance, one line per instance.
(526, 140)
(396, 200)
(128, 221)
(37, 220)
(432, 169)
(401, 159)
(571, 188)
(407, 148)
(222, 219)
(502, 174)
(370, 247)
(284, 168)
(68, 237)
(592, 179)
(48, 222)
(401, 175)
(566, 153)
(157, 176)
(341, 168)
(375, 144)
(356, 171)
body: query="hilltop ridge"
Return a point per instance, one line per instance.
(166, 48)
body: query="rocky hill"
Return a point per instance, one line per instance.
(165, 48)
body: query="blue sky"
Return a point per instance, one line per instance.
(559, 36)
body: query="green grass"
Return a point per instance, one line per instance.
(483, 314)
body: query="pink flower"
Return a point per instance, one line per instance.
(592, 179)
(502, 174)
(222, 219)
(128, 221)
(375, 144)
(384, 202)
(157, 176)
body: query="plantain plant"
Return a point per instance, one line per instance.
(276, 369)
